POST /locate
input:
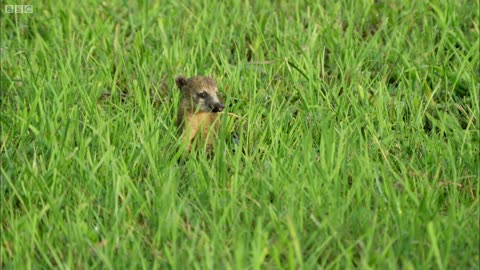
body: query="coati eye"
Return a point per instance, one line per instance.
(202, 94)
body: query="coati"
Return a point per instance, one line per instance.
(197, 113)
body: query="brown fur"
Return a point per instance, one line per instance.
(197, 115)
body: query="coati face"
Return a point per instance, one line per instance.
(200, 94)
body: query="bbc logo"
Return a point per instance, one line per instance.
(18, 9)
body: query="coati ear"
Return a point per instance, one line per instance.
(181, 81)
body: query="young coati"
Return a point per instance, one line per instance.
(199, 105)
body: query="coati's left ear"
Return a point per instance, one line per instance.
(181, 81)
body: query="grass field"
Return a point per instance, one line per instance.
(350, 138)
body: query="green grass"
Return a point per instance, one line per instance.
(351, 139)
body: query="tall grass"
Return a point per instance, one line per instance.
(350, 140)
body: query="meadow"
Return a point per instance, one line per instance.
(350, 139)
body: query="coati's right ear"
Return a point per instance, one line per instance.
(181, 81)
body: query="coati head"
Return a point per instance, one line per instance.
(200, 94)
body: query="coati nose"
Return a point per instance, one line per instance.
(218, 107)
